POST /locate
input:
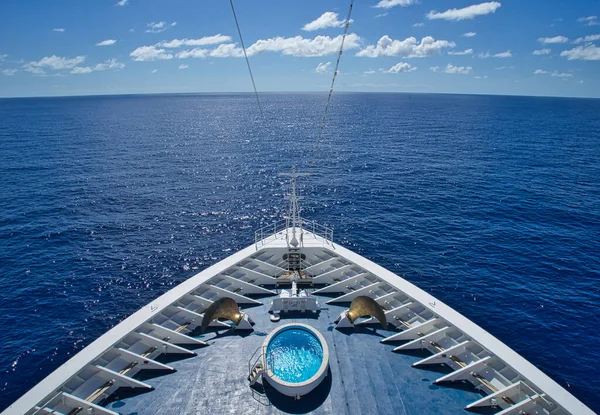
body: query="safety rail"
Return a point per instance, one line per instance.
(263, 399)
(271, 232)
(252, 361)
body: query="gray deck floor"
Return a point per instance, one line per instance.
(365, 377)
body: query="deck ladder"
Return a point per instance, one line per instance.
(257, 365)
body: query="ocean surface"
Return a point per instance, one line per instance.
(491, 203)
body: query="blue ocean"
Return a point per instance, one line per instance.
(491, 203)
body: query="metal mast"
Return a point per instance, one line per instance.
(294, 212)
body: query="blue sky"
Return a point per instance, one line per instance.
(74, 47)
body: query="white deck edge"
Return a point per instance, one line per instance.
(527, 370)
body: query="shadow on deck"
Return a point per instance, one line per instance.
(306, 403)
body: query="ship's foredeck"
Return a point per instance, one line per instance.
(430, 360)
(365, 376)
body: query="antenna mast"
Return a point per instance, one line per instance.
(294, 212)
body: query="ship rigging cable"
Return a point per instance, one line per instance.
(246, 56)
(335, 72)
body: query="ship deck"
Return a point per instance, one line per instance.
(457, 360)
(365, 376)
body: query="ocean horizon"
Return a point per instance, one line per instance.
(133, 94)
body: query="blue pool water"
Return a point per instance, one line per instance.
(490, 203)
(294, 355)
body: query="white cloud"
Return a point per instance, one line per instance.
(8, 72)
(58, 64)
(464, 52)
(157, 27)
(173, 24)
(81, 69)
(555, 39)
(589, 21)
(506, 54)
(544, 51)
(401, 67)
(469, 12)
(500, 68)
(419, 24)
(206, 40)
(107, 42)
(381, 15)
(154, 70)
(150, 53)
(58, 29)
(53, 62)
(228, 50)
(589, 38)
(104, 66)
(561, 75)
(109, 64)
(159, 50)
(327, 19)
(323, 67)
(370, 72)
(3, 56)
(122, 3)
(298, 46)
(554, 73)
(182, 66)
(301, 47)
(196, 53)
(34, 70)
(461, 70)
(468, 34)
(481, 77)
(484, 55)
(586, 53)
(292, 46)
(386, 4)
(408, 47)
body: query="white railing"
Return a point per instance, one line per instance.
(271, 232)
(258, 357)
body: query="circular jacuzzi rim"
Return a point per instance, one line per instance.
(324, 361)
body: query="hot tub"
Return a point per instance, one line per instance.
(296, 358)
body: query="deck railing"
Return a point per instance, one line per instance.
(254, 359)
(271, 232)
